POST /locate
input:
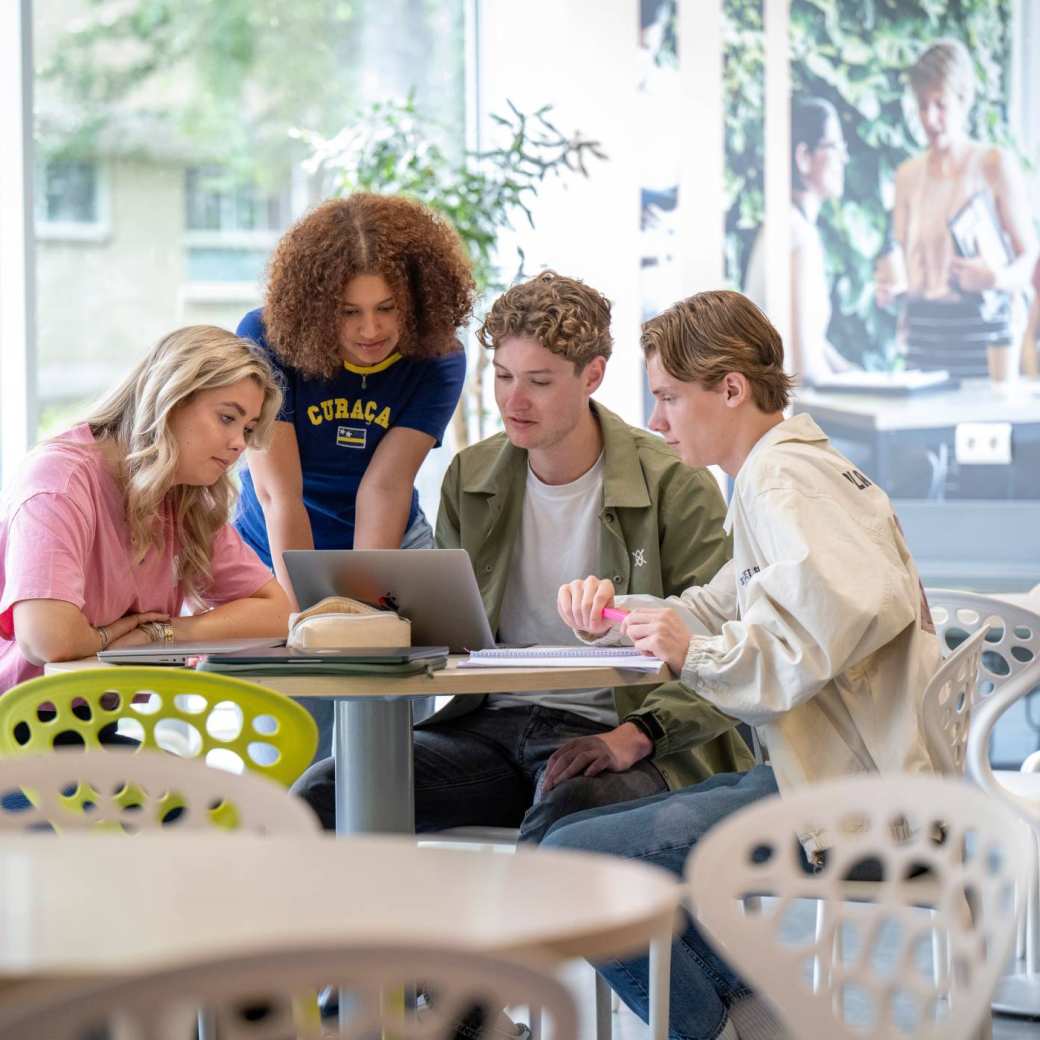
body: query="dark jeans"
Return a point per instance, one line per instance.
(663, 830)
(484, 770)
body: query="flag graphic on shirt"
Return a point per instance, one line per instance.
(351, 436)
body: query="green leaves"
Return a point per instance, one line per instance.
(390, 147)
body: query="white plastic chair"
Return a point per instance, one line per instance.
(142, 790)
(950, 861)
(1017, 993)
(948, 699)
(256, 996)
(945, 716)
(1012, 649)
(1012, 646)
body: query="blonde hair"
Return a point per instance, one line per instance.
(564, 315)
(704, 337)
(136, 416)
(945, 65)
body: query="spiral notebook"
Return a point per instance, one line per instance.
(564, 657)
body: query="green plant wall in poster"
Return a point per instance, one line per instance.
(855, 54)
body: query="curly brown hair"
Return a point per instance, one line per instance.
(419, 254)
(564, 315)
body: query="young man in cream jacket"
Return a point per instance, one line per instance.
(817, 632)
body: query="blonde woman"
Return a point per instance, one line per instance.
(958, 308)
(114, 526)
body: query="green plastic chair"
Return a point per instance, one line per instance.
(271, 734)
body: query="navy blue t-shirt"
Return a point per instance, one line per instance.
(339, 423)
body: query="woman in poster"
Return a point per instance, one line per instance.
(818, 160)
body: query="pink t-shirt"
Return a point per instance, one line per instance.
(64, 536)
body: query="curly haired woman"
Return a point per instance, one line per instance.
(364, 302)
(112, 527)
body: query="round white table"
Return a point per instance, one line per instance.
(375, 785)
(79, 906)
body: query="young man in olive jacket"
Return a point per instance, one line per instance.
(567, 490)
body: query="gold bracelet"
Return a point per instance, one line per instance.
(158, 631)
(103, 635)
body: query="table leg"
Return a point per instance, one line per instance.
(375, 786)
(604, 1009)
(660, 981)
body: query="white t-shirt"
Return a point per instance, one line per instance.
(558, 540)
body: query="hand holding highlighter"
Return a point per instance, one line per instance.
(614, 613)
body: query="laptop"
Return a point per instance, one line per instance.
(177, 653)
(383, 655)
(435, 589)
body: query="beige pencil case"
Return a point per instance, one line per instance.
(341, 623)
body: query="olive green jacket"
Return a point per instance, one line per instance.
(662, 532)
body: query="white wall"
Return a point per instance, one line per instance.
(580, 56)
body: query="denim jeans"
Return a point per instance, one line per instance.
(484, 769)
(418, 536)
(663, 830)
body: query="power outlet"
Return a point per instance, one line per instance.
(983, 443)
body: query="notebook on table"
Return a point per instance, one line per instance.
(564, 657)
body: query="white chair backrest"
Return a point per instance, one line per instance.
(947, 702)
(258, 997)
(977, 764)
(1011, 646)
(935, 842)
(141, 791)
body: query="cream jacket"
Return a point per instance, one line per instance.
(818, 631)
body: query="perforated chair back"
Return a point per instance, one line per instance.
(947, 703)
(227, 722)
(1024, 800)
(1012, 645)
(256, 997)
(949, 860)
(117, 790)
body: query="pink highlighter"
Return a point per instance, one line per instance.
(614, 613)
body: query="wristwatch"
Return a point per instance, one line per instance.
(648, 725)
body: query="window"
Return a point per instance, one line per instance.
(214, 202)
(71, 199)
(70, 192)
(230, 226)
(138, 230)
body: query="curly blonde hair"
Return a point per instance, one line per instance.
(564, 315)
(136, 416)
(419, 254)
